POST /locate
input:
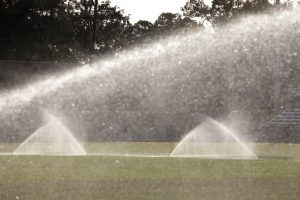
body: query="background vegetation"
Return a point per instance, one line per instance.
(78, 31)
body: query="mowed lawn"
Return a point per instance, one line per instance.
(118, 177)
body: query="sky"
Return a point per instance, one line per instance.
(148, 9)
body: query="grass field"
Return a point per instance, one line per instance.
(277, 176)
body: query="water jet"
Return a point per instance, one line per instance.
(51, 139)
(155, 92)
(212, 139)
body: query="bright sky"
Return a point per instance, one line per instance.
(148, 9)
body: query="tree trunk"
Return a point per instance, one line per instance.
(92, 47)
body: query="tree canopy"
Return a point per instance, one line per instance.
(78, 31)
(221, 11)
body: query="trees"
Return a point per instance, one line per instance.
(60, 30)
(221, 11)
(112, 27)
(168, 22)
(253, 6)
(35, 30)
(76, 31)
(99, 28)
(197, 8)
(141, 30)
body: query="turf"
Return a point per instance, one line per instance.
(114, 177)
(164, 148)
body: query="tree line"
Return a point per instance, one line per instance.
(79, 31)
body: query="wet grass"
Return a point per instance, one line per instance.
(106, 177)
(142, 148)
(165, 148)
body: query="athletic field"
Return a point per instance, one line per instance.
(276, 175)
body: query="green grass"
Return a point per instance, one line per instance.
(130, 147)
(156, 148)
(101, 177)
(8, 147)
(165, 148)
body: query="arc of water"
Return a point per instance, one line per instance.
(26, 94)
(234, 136)
(227, 131)
(59, 134)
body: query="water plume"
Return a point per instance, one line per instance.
(212, 139)
(156, 91)
(51, 139)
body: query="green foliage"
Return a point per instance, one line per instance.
(197, 8)
(141, 30)
(74, 31)
(169, 22)
(252, 6)
(78, 31)
(35, 30)
(99, 32)
(221, 11)
(59, 30)
(224, 9)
